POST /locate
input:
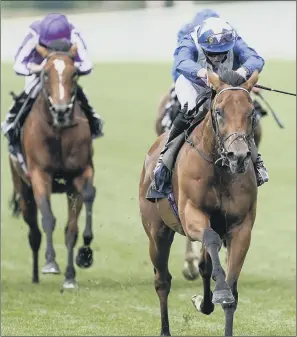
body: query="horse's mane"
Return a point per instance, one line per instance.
(231, 77)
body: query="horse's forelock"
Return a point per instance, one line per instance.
(59, 46)
(231, 77)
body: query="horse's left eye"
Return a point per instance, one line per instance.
(251, 114)
(219, 112)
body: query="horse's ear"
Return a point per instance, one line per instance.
(214, 79)
(251, 81)
(42, 51)
(73, 50)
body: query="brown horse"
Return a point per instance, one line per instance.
(215, 190)
(190, 268)
(57, 146)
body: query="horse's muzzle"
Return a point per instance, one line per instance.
(238, 162)
(61, 114)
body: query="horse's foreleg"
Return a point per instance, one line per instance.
(191, 269)
(84, 185)
(42, 186)
(160, 243)
(237, 247)
(197, 228)
(204, 304)
(71, 232)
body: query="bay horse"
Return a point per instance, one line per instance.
(190, 268)
(215, 190)
(57, 146)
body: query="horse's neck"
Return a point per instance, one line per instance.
(42, 108)
(204, 137)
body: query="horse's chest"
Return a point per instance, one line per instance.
(62, 155)
(225, 207)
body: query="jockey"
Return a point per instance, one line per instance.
(214, 44)
(173, 106)
(29, 63)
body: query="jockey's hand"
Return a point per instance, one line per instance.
(242, 72)
(203, 75)
(256, 90)
(35, 68)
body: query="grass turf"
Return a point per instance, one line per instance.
(116, 296)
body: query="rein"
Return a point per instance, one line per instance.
(219, 140)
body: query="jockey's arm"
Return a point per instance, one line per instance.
(82, 60)
(185, 57)
(23, 54)
(248, 58)
(186, 29)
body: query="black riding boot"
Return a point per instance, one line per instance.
(95, 121)
(260, 169)
(260, 112)
(162, 181)
(172, 109)
(11, 131)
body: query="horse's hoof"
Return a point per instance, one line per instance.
(51, 268)
(197, 300)
(167, 333)
(199, 304)
(70, 284)
(84, 258)
(191, 270)
(35, 281)
(223, 296)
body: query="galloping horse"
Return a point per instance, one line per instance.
(215, 190)
(57, 146)
(190, 268)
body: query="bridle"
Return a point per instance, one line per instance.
(68, 109)
(220, 141)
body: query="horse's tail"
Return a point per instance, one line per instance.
(15, 205)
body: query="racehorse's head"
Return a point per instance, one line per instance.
(233, 118)
(59, 81)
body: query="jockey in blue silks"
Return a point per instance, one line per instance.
(212, 43)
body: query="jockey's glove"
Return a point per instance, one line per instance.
(242, 72)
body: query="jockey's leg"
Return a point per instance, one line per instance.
(11, 131)
(187, 95)
(95, 121)
(260, 169)
(260, 112)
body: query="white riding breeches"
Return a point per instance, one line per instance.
(187, 92)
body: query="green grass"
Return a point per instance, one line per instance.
(116, 296)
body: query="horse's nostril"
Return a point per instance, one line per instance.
(231, 156)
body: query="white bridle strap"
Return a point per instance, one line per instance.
(229, 88)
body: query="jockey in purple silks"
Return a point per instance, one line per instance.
(29, 63)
